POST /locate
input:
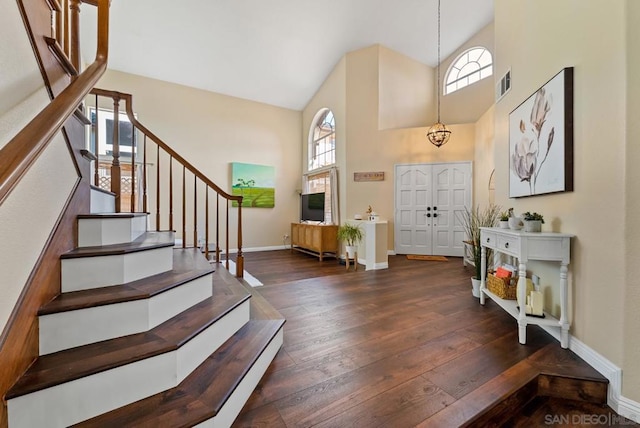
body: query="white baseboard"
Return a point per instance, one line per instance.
(391, 252)
(622, 405)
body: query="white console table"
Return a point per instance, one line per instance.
(528, 246)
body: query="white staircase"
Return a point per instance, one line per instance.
(136, 318)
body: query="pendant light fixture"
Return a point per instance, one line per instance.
(438, 134)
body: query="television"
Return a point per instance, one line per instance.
(312, 207)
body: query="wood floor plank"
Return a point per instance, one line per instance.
(401, 347)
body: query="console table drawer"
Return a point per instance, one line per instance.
(488, 239)
(509, 244)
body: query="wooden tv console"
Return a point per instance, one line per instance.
(320, 240)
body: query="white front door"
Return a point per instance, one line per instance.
(430, 201)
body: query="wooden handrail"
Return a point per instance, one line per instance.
(129, 109)
(17, 156)
(198, 176)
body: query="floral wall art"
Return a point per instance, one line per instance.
(541, 140)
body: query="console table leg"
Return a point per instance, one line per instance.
(483, 272)
(522, 301)
(564, 323)
(522, 331)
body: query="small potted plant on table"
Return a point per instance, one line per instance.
(533, 222)
(504, 220)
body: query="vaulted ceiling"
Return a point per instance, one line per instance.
(278, 51)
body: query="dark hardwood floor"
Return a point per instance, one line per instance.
(401, 347)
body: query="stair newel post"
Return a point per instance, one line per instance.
(227, 236)
(144, 174)
(195, 211)
(157, 187)
(116, 172)
(240, 256)
(206, 221)
(170, 192)
(96, 139)
(74, 34)
(217, 228)
(184, 208)
(133, 170)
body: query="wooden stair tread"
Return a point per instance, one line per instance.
(110, 215)
(198, 398)
(497, 400)
(147, 241)
(64, 366)
(188, 264)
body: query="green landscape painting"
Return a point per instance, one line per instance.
(255, 183)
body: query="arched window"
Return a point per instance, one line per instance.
(322, 156)
(322, 140)
(470, 67)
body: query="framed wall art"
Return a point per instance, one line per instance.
(255, 183)
(541, 140)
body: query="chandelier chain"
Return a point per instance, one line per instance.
(438, 83)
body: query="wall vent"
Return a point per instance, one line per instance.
(503, 86)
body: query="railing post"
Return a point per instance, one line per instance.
(116, 173)
(96, 139)
(74, 34)
(240, 257)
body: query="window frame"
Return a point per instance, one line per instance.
(457, 65)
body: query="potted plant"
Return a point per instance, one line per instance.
(473, 219)
(504, 219)
(533, 222)
(351, 235)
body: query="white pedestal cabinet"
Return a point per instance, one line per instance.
(526, 246)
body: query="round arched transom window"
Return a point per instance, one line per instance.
(470, 67)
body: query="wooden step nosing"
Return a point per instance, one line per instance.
(243, 300)
(119, 249)
(166, 346)
(278, 334)
(104, 216)
(233, 403)
(135, 294)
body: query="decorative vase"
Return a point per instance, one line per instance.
(515, 223)
(532, 225)
(504, 224)
(475, 287)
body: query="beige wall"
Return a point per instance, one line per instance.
(631, 356)
(369, 149)
(405, 90)
(211, 130)
(483, 159)
(332, 94)
(537, 44)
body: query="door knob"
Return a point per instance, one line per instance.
(435, 215)
(428, 208)
(435, 208)
(429, 215)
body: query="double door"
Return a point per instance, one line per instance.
(430, 202)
